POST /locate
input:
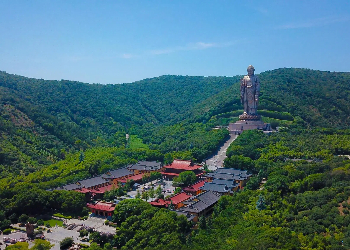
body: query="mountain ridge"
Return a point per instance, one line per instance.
(68, 116)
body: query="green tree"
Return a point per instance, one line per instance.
(177, 190)
(146, 177)
(94, 246)
(185, 179)
(159, 191)
(23, 218)
(19, 246)
(129, 207)
(40, 222)
(107, 246)
(168, 158)
(4, 223)
(145, 195)
(260, 204)
(83, 233)
(129, 185)
(13, 218)
(253, 183)
(202, 222)
(41, 245)
(155, 176)
(151, 193)
(240, 162)
(138, 195)
(81, 156)
(32, 220)
(66, 243)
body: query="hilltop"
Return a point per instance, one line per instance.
(59, 132)
(41, 120)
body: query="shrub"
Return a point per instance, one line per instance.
(32, 220)
(23, 218)
(40, 222)
(66, 243)
(7, 231)
(13, 218)
(83, 233)
(62, 216)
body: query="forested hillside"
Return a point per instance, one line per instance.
(315, 98)
(57, 132)
(45, 120)
(42, 121)
(303, 205)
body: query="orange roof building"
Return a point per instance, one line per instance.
(195, 189)
(136, 178)
(179, 166)
(176, 200)
(102, 208)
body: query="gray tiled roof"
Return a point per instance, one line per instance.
(87, 183)
(189, 217)
(208, 198)
(230, 171)
(68, 187)
(219, 188)
(221, 176)
(200, 202)
(114, 174)
(228, 183)
(229, 174)
(195, 207)
(146, 165)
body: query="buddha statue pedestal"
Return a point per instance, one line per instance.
(248, 124)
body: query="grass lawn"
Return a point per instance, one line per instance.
(53, 222)
(135, 142)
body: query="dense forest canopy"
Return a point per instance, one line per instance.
(43, 120)
(57, 132)
(304, 203)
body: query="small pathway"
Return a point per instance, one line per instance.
(217, 160)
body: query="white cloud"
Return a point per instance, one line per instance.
(201, 45)
(313, 23)
(261, 10)
(187, 47)
(190, 46)
(127, 56)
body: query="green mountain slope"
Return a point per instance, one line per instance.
(319, 98)
(43, 120)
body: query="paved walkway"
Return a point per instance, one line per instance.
(217, 160)
(95, 222)
(59, 233)
(167, 188)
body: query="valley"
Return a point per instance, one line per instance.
(59, 133)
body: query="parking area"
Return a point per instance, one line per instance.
(13, 238)
(93, 222)
(57, 234)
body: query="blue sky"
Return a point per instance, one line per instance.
(125, 41)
